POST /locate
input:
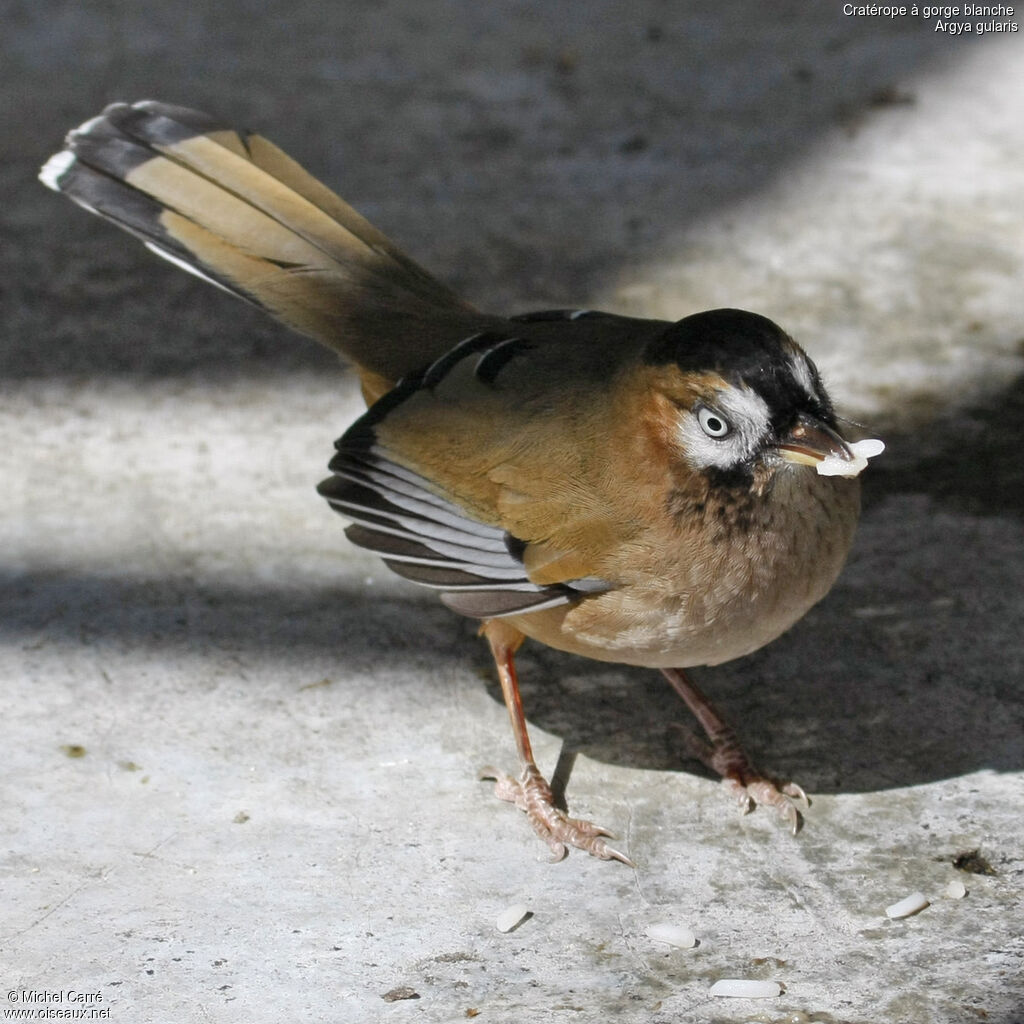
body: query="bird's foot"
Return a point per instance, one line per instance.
(723, 754)
(788, 799)
(532, 794)
(745, 783)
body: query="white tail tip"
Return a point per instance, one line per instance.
(55, 168)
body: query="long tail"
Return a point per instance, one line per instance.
(232, 208)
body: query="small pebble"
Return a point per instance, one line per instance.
(509, 918)
(672, 935)
(907, 906)
(745, 988)
(398, 994)
(955, 890)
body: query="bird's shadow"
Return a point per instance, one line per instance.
(904, 674)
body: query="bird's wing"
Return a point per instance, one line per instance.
(482, 476)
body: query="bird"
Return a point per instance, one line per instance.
(634, 491)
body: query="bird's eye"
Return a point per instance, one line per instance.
(712, 423)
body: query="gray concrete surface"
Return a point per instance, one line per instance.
(239, 769)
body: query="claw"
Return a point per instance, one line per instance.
(797, 795)
(531, 794)
(612, 854)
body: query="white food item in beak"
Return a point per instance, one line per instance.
(832, 465)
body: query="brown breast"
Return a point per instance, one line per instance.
(700, 588)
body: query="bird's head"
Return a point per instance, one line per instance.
(746, 401)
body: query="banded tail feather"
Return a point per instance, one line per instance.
(233, 209)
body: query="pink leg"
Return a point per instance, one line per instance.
(724, 755)
(531, 792)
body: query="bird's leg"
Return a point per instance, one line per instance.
(531, 792)
(724, 754)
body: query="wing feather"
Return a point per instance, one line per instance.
(432, 541)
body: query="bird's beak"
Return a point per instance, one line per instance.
(811, 442)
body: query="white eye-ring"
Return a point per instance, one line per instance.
(712, 423)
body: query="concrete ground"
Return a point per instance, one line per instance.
(240, 759)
